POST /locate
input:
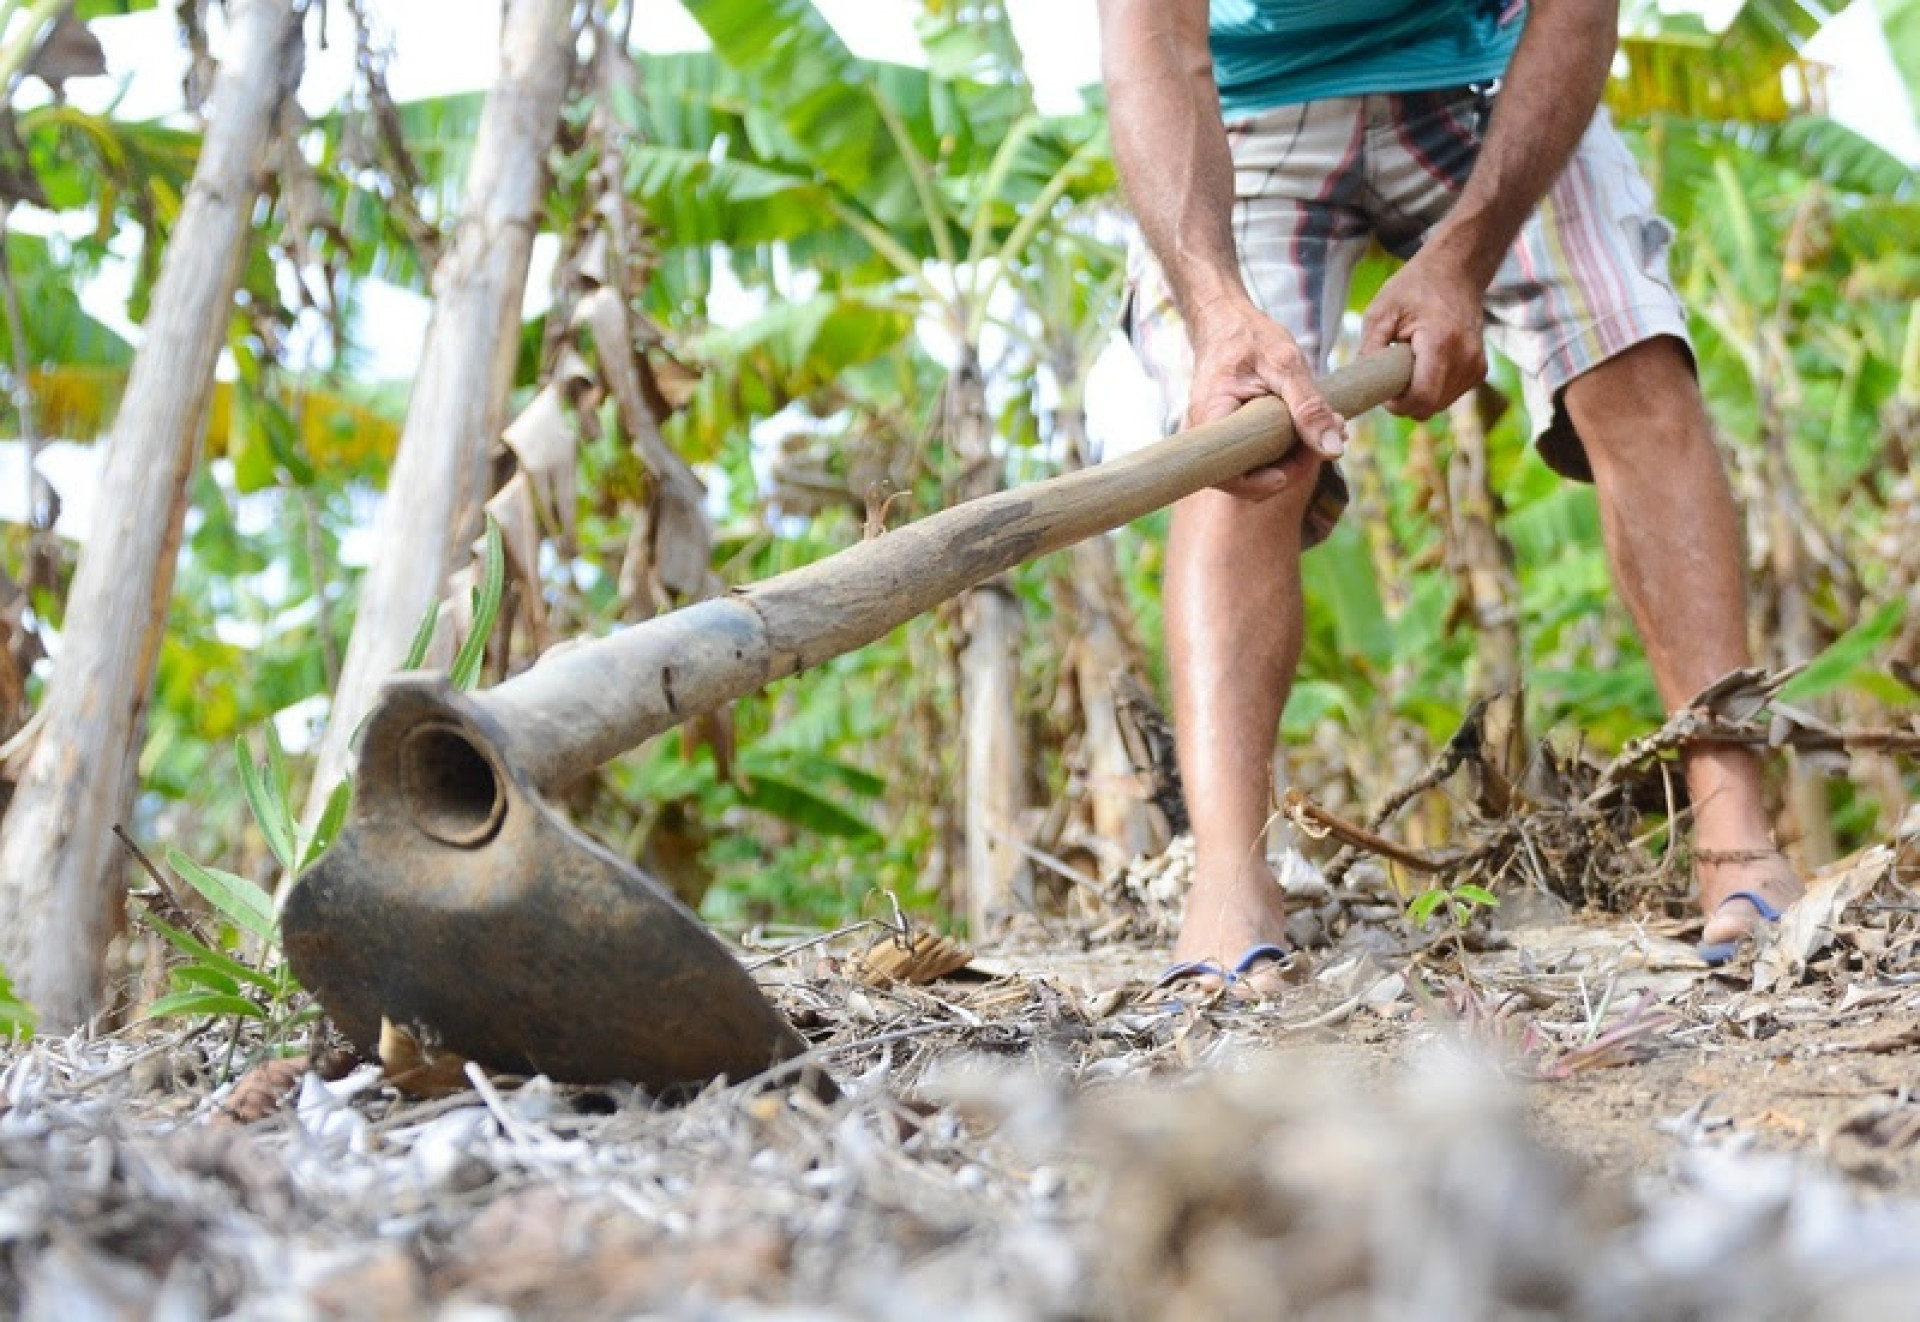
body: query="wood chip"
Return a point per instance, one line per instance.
(261, 1091)
(419, 1068)
(927, 957)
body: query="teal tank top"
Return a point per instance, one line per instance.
(1269, 53)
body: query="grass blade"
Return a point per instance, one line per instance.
(422, 639)
(327, 829)
(197, 1000)
(270, 812)
(242, 902)
(16, 1016)
(486, 610)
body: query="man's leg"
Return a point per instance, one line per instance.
(1233, 627)
(1674, 541)
(1232, 582)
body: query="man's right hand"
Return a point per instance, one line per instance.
(1239, 353)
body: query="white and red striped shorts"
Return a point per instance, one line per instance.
(1315, 183)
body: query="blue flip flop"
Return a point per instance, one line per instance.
(1264, 953)
(1716, 953)
(1193, 968)
(1250, 959)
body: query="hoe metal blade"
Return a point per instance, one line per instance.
(458, 903)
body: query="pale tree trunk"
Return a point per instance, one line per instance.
(1482, 564)
(58, 884)
(1102, 655)
(458, 406)
(996, 873)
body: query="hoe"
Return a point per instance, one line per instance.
(457, 903)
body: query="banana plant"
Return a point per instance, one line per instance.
(1791, 258)
(923, 189)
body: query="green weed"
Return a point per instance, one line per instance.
(241, 971)
(16, 1016)
(1461, 903)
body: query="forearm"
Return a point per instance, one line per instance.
(1546, 102)
(1170, 145)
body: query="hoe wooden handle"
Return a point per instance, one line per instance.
(586, 705)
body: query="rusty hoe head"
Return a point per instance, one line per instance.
(458, 904)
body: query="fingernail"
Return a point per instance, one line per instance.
(1332, 443)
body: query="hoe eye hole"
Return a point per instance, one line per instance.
(452, 789)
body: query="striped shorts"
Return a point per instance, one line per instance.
(1314, 184)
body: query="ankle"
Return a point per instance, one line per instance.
(1727, 788)
(1239, 872)
(1710, 857)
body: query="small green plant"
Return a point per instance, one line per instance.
(16, 1016)
(217, 976)
(1461, 903)
(240, 971)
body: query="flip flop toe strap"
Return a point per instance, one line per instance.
(1253, 956)
(1761, 904)
(1193, 968)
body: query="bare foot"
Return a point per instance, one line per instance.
(1725, 870)
(1733, 844)
(1228, 914)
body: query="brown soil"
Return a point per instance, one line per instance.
(1034, 1139)
(1828, 1070)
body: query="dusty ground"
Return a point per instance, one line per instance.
(1829, 1070)
(1556, 1116)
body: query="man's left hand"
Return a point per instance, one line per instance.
(1434, 306)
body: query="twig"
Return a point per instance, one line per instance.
(1673, 818)
(1317, 821)
(1339, 1014)
(809, 943)
(511, 1125)
(174, 910)
(319, 571)
(1464, 744)
(807, 1059)
(1053, 864)
(90, 1081)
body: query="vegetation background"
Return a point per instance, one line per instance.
(783, 295)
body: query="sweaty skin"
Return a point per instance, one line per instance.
(1233, 636)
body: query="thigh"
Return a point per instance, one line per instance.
(1586, 280)
(1421, 146)
(1298, 222)
(1299, 234)
(1296, 227)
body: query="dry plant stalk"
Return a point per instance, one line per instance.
(1571, 828)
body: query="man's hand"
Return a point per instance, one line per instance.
(1239, 353)
(1432, 304)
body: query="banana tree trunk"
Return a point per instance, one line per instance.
(995, 784)
(1103, 656)
(58, 885)
(466, 368)
(1482, 563)
(1794, 638)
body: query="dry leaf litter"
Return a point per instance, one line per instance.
(1542, 1115)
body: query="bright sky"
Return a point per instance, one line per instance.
(442, 46)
